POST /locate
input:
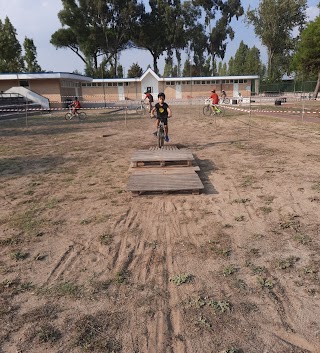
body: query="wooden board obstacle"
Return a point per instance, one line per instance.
(165, 169)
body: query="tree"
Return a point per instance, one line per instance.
(246, 61)
(30, 56)
(135, 71)
(221, 31)
(10, 49)
(158, 30)
(222, 69)
(97, 28)
(307, 59)
(273, 22)
(240, 57)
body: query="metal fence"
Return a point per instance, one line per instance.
(289, 86)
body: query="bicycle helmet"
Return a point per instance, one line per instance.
(213, 90)
(161, 94)
(75, 98)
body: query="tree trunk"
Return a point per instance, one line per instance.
(155, 66)
(316, 90)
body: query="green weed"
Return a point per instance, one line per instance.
(105, 239)
(302, 238)
(48, 333)
(180, 279)
(283, 264)
(265, 209)
(239, 218)
(247, 181)
(18, 255)
(241, 201)
(229, 270)
(265, 283)
(122, 277)
(221, 306)
(291, 221)
(28, 221)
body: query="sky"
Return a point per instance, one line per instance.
(38, 20)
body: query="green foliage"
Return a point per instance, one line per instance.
(30, 56)
(180, 279)
(135, 71)
(92, 29)
(246, 61)
(10, 49)
(273, 23)
(306, 59)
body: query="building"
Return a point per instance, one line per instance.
(60, 88)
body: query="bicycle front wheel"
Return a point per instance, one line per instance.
(68, 116)
(160, 138)
(82, 115)
(207, 110)
(226, 101)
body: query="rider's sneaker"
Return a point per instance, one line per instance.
(155, 133)
(167, 138)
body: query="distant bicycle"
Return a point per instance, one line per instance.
(79, 115)
(224, 100)
(141, 109)
(211, 109)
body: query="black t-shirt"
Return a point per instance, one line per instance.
(161, 110)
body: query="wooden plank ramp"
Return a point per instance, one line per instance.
(162, 156)
(164, 170)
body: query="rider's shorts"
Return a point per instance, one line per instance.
(165, 121)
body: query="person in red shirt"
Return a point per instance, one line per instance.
(150, 99)
(214, 97)
(75, 105)
(214, 101)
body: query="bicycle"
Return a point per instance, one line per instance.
(70, 115)
(224, 100)
(211, 109)
(160, 134)
(141, 109)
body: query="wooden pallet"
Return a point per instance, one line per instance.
(165, 183)
(162, 157)
(164, 170)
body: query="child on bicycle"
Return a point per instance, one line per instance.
(75, 105)
(223, 95)
(214, 100)
(163, 112)
(150, 99)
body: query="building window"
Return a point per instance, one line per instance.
(24, 83)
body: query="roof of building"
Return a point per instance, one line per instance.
(44, 75)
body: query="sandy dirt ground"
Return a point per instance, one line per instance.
(86, 266)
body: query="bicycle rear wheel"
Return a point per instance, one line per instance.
(207, 110)
(68, 116)
(82, 115)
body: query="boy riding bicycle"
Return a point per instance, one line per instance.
(163, 112)
(214, 100)
(75, 105)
